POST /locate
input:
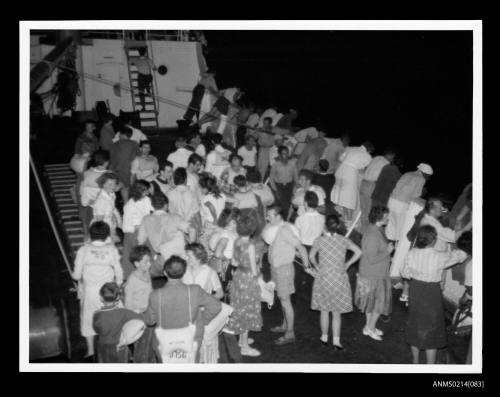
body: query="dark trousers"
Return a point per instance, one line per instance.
(241, 133)
(284, 196)
(229, 350)
(303, 281)
(144, 84)
(129, 242)
(194, 105)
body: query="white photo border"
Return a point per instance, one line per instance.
(24, 141)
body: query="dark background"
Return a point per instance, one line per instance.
(412, 89)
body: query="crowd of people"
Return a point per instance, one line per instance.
(249, 192)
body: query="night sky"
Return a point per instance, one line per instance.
(409, 89)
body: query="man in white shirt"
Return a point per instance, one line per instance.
(248, 152)
(217, 159)
(305, 185)
(311, 223)
(137, 135)
(180, 157)
(369, 181)
(345, 193)
(183, 201)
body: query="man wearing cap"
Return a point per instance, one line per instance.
(409, 187)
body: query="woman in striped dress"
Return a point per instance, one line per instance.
(425, 329)
(331, 289)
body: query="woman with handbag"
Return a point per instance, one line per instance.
(245, 293)
(425, 329)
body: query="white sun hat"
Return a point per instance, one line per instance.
(425, 168)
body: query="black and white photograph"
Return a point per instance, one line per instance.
(242, 196)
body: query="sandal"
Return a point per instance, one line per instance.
(284, 340)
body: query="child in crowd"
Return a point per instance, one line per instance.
(104, 206)
(180, 157)
(97, 262)
(134, 211)
(138, 286)
(248, 153)
(108, 323)
(227, 177)
(305, 185)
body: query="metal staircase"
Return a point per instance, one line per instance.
(148, 116)
(61, 179)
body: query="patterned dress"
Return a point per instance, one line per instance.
(331, 289)
(244, 293)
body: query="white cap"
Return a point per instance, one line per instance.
(425, 168)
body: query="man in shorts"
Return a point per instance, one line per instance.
(283, 240)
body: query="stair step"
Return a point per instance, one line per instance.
(147, 98)
(147, 115)
(67, 205)
(62, 183)
(62, 178)
(148, 123)
(59, 172)
(59, 165)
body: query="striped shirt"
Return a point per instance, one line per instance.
(427, 264)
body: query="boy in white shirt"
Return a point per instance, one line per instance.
(311, 223)
(180, 157)
(305, 185)
(248, 153)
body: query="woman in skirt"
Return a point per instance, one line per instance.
(373, 289)
(331, 288)
(244, 290)
(425, 329)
